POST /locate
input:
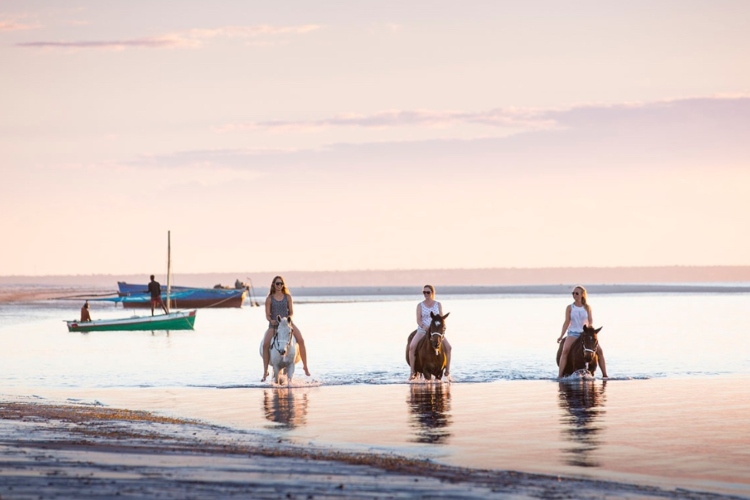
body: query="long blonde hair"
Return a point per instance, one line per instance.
(283, 287)
(584, 295)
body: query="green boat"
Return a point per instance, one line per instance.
(182, 320)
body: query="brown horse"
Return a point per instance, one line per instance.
(429, 356)
(582, 354)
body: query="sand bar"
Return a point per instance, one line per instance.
(66, 451)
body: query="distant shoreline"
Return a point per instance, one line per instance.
(33, 293)
(479, 277)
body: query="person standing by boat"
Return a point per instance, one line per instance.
(577, 315)
(424, 308)
(154, 288)
(279, 303)
(85, 316)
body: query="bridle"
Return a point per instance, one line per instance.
(275, 340)
(440, 333)
(586, 350)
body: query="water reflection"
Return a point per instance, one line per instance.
(430, 406)
(285, 406)
(584, 403)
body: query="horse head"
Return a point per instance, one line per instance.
(436, 331)
(282, 339)
(590, 342)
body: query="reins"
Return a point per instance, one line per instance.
(275, 340)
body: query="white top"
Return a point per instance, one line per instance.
(578, 317)
(426, 319)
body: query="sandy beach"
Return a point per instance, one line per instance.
(53, 451)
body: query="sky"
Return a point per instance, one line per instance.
(340, 135)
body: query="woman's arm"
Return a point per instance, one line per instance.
(419, 315)
(591, 315)
(440, 308)
(268, 309)
(566, 324)
(291, 306)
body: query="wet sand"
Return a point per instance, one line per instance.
(70, 451)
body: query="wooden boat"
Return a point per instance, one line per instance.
(182, 320)
(131, 295)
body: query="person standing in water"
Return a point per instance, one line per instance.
(154, 288)
(577, 315)
(279, 303)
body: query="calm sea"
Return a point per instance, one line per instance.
(674, 413)
(361, 340)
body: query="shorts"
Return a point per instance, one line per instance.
(574, 335)
(156, 301)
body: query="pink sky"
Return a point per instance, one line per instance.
(339, 136)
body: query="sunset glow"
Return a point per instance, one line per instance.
(372, 136)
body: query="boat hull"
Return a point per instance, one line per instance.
(133, 296)
(183, 320)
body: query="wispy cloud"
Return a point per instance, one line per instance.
(667, 134)
(13, 25)
(510, 117)
(194, 38)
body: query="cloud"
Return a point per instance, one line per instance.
(510, 117)
(193, 38)
(665, 135)
(12, 25)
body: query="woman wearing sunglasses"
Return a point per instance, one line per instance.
(279, 303)
(577, 315)
(424, 308)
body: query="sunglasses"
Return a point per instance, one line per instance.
(278, 283)
(576, 293)
(426, 292)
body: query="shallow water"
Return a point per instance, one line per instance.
(674, 413)
(363, 342)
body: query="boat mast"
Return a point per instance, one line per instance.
(169, 265)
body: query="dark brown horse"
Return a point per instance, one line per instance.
(582, 354)
(429, 356)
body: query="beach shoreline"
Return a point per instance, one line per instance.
(55, 450)
(35, 293)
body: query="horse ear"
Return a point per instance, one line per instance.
(278, 318)
(597, 330)
(446, 315)
(432, 315)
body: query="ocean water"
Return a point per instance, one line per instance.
(362, 340)
(673, 414)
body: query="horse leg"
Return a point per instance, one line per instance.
(290, 372)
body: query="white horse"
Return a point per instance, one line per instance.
(284, 351)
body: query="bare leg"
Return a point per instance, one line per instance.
(266, 352)
(602, 363)
(564, 355)
(152, 308)
(448, 349)
(302, 349)
(412, 348)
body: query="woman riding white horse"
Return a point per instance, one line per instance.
(279, 303)
(284, 351)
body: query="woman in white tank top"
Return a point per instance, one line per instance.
(424, 308)
(577, 315)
